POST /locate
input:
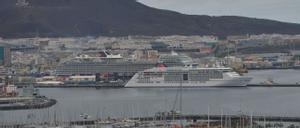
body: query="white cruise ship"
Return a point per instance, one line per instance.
(187, 77)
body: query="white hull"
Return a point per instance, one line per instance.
(50, 83)
(233, 82)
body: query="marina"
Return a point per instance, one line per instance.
(232, 121)
(125, 103)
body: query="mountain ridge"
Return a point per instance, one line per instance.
(73, 18)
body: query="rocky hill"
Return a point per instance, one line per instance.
(58, 18)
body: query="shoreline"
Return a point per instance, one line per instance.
(123, 86)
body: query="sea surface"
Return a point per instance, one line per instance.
(134, 102)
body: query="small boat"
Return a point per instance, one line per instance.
(269, 81)
(85, 116)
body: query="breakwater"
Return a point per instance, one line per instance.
(34, 103)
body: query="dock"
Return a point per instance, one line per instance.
(234, 120)
(219, 117)
(97, 86)
(273, 85)
(122, 85)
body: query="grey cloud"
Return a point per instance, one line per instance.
(282, 10)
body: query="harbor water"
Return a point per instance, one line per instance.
(134, 102)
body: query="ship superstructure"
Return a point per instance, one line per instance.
(102, 64)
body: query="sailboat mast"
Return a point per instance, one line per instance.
(221, 118)
(251, 120)
(180, 101)
(208, 120)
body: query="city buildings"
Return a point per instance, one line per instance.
(175, 59)
(150, 55)
(55, 56)
(5, 56)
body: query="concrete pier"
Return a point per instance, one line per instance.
(20, 103)
(193, 118)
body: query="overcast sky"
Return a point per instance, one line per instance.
(282, 10)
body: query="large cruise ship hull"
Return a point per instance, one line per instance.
(233, 82)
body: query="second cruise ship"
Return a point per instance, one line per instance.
(187, 77)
